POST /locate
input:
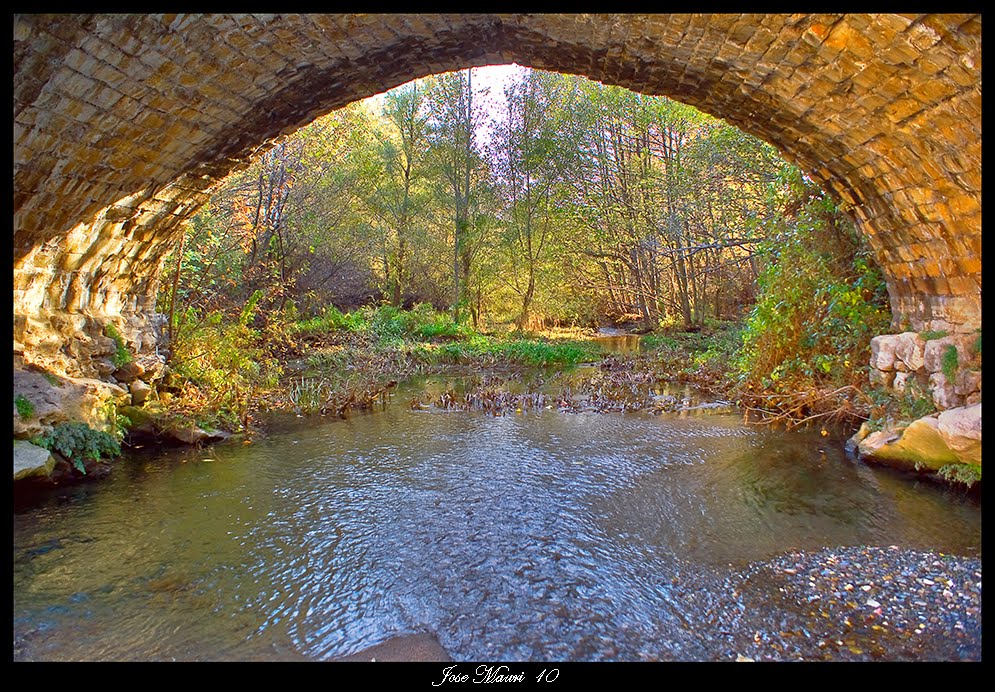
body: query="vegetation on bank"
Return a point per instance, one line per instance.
(78, 443)
(388, 240)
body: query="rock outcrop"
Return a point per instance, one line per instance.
(53, 399)
(927, 444)
(32, 461)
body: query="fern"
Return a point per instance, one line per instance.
(78, 441)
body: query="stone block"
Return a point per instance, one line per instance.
(909, 350)
(944, 395)
(967, 382)
(901, 379)
(936, 348)
(880, 377)
(961, 429)
(883, 352)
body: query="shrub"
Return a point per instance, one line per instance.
(122, 356)
(25, 409)
(931, 334)
(78, 441)
(308, 395)
(820, 301)
(948, 363)
(223, 361)
(965, 474)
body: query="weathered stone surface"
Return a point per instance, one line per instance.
(31, 460)
(141, 420)
(187, 434)
(880, 377)
(56, 400)
(967, 382)
(139, 392)
(129, 372)
(883, 349)
(936, 348)
(114, 150)
(900, 380)
(192, 434)
(852, 445)
(909, 350)
(961, 430)
(919, 447)
(944, 393)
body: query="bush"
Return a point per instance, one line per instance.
(948, 362)
(78, 441)
(820, 301)
(965, 474)
(223, 361)
(25, 409)
(122, 356)
(332, 320)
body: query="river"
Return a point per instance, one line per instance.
(548, 536)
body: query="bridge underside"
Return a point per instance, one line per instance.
(122, 124)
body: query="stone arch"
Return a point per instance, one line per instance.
(123, 123)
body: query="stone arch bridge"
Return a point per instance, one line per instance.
(122, 124)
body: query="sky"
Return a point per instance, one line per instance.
(491, 77)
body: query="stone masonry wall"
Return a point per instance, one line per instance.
(122, 123)
(901, 361)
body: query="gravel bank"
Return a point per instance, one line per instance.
(854, 604)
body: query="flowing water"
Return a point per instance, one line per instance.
(547, 536)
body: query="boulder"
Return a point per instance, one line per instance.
(853, 443)
(59, 399)
(192, 434)
(881, 377)
(31, 460)
(944, 393)
(935, 348)
(928, 444)
(967, 382)
(899, 382)
(139, 392)
(129, 372)
(883, 352)
(960, 428)
(919, 447)
(909, 351)
(141, 420)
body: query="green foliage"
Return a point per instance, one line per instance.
(25, 409)
(977, 344)
(820, 301)
(222, 361)
(949, 362)
(889, 410)
(78, 441)
(122, 356)
(117, 423)
(331, 320)
(308, 394)
(965, 474)
(931, 334)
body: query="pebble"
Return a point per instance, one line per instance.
(924, 608)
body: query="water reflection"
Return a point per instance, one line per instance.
(552, 536)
